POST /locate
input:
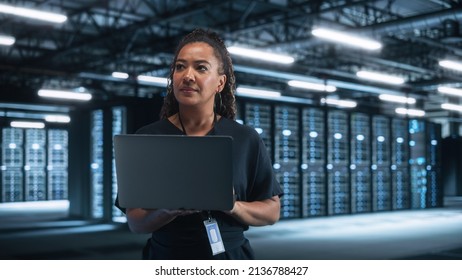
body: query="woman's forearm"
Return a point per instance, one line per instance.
(257, 213)
(149, 220)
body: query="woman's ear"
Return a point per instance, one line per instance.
(221, 83)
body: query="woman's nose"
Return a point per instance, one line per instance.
(188, 76)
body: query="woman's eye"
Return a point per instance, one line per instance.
(179, 66)
(202, 68)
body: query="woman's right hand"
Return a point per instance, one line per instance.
(141, 220)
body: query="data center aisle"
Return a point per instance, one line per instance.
(419, 234)
(426, 234)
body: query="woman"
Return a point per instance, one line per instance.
(200, 101)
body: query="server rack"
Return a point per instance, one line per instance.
(338, 185)
(35, 163)
(12, 164)
(97, 161)
(360, 163)
(417, 162)
(400, 164)
(314, 197)
(258, 116)
(286, 159)
(381, 177)
(58, 164)
(433, 155)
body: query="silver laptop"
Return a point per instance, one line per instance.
(174, 171)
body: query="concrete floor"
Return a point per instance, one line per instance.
(432, 234)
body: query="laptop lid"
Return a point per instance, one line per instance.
(174, 171)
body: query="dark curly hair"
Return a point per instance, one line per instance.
(225, 102)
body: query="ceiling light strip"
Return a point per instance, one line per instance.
(339, 102)
(120, 75)
(410, 112)
(347, 39)
(397, 99)
(61, 94)
(253, 92)
(158, 81)
(379, 77)
(57, 118)
(311, 86)
(261, 55)
(450, 91)
(35, 14)
(25, 124)
(451, 107)
(450, 64)
(7, 40)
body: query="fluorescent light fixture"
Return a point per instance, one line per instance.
(410, 112)
(450, 91)
(253, 92)
(7, 40)
(30, 13)
(153, 80)
(25, 124)
(454, 65)
(120, 75)
(347, 39)
(451, 107)
(58, 118)
(379, 77)
(339, 102)
(397, 98)
(311, 86)
(61, 94)
(267, 56)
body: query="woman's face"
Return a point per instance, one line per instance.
(195, 77)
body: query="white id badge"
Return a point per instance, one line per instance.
(213, 232)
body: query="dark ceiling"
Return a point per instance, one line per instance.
(139, 36)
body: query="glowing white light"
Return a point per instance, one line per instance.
(397, 98)
(157, 81)
(454, 65)
(347, 39)
(286, 132)
(62, 94)
(311, 86)
(261, 55)
(313, 134)
(30, 13)
(24, 124)
(253, 92)
(58, 118)
(7, 40)
(120, 75)
(410, 112)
